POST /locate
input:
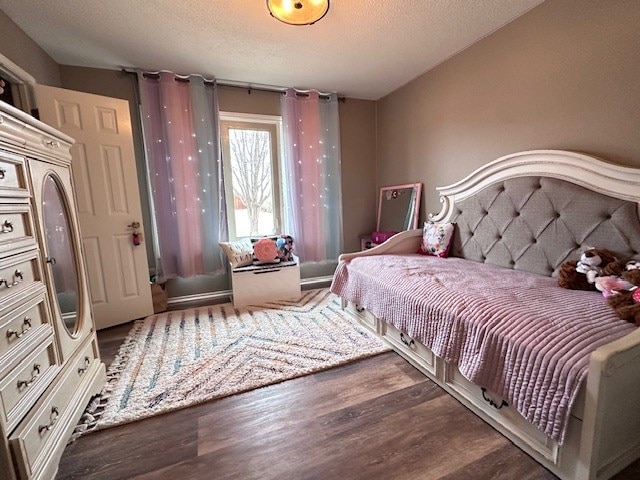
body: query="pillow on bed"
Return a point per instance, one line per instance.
(436, 239)
(239, 253)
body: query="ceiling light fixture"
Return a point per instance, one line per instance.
(298, 12)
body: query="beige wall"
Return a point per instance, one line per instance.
(27, 54)
(357, 140)
(235, 99)
(563, 76)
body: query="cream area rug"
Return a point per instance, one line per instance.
(182, 358)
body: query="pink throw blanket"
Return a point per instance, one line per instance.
(515, 333)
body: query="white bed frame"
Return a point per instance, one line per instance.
(603, 435)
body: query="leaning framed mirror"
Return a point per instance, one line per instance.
(398, 207)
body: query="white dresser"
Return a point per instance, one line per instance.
(49, 361)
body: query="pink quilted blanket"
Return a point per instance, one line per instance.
(515, 333)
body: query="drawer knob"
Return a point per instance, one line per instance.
(35, 373)
(3, 172)
(491, 402)
(53, 418)
(359, 309)
(7, 227)
(409, 342)
(51, 143)
(83, 370)
(17, 278)
(26, 326)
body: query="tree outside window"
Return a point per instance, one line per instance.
(250, 152)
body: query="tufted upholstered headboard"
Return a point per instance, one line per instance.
(534, 210)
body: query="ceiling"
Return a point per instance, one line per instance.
(361, 48)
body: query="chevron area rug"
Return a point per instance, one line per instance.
(177, 359)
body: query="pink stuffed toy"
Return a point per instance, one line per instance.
(611, 284)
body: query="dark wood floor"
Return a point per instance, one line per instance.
(377, 418)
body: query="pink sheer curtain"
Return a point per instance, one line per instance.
(180, 122)
(312, 198)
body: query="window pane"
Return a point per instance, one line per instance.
(250, 155)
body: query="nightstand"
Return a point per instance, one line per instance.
(366, 243)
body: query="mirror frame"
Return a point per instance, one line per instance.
(416, 208)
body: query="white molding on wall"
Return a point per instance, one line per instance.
(200, 298)
(14, 72)
(184, 301)
(22, 81)
(585, 170)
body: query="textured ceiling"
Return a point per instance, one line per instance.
(362, 49)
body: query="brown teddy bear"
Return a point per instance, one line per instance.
(581, 274)
(627, 303)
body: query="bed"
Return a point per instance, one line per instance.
(554, 370)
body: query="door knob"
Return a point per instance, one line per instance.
(136, 236)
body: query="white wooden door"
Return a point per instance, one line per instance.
(108, 199)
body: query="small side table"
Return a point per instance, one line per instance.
(263, 283)
(366, 243)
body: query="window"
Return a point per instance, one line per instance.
(250, 152)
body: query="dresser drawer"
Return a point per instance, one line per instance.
(45, 431)
(19, 273)
(363, 315)
(19, 323)
(409, 347)
(21, 388)
(13, 180)
(16, 227)
(495, 407)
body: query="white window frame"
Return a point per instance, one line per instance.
(236, 119)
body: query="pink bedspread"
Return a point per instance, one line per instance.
(515, 333)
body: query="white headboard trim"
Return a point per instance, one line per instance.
(585, 170)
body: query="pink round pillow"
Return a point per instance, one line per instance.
(265, 250)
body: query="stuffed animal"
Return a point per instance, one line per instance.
(632, 267)
(611, 284)
(626, 302)
(285, 247)
(581, 274)
(615, 268)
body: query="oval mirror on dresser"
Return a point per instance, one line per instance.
(61, 258)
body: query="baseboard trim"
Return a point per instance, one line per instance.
(225, 295)
(201, 298)
(316, 282)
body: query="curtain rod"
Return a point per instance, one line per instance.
(234, 84)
